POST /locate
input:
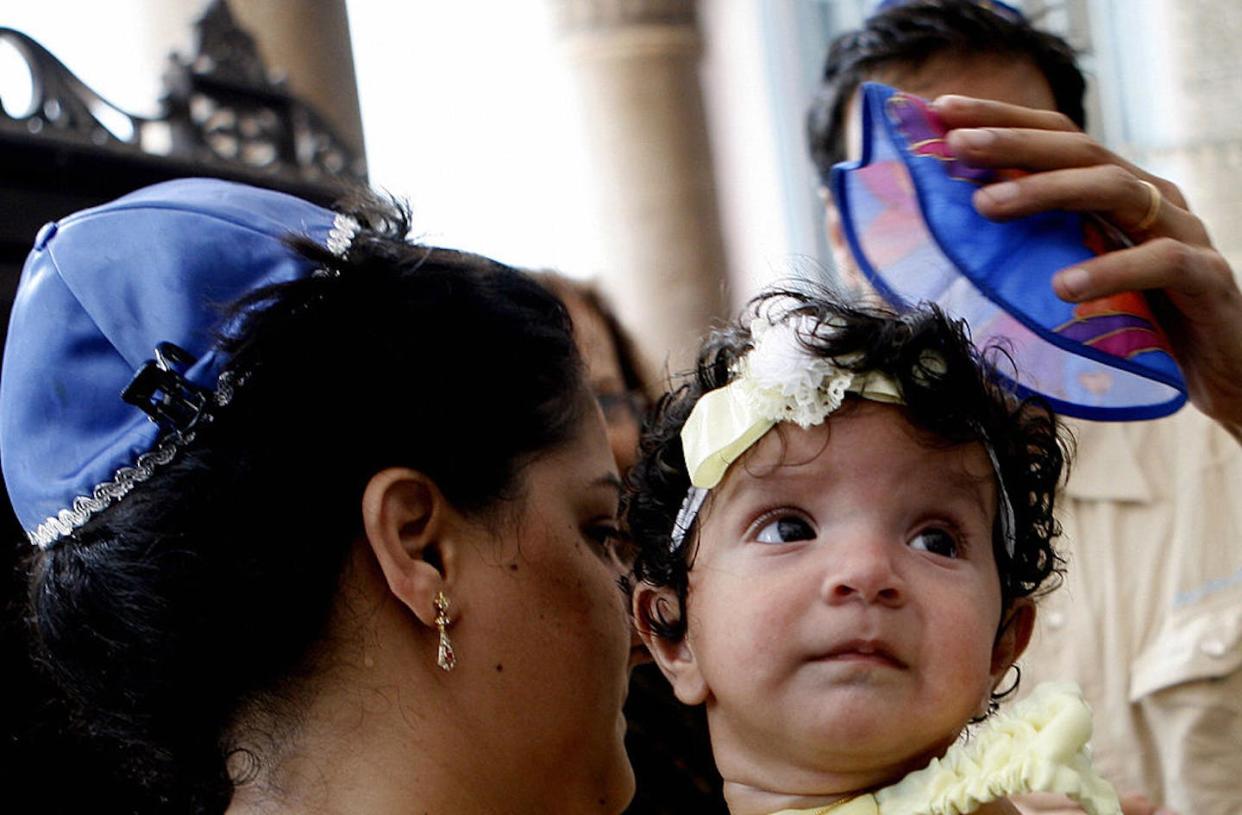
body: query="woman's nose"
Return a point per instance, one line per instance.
(863, 570)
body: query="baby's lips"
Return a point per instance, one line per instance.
(875, 649)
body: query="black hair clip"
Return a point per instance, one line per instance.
(160, 390)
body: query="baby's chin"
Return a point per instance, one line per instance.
(882, 724)
(877, 755)
(807, 779)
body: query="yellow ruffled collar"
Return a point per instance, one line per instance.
(1040, 745)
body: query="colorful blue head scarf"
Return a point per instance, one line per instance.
(907, 211)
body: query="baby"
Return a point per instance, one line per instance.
(843, 520)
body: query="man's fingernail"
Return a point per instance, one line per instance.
(1001, 193)
(973, 137)
(948, 100)
(1072, 283)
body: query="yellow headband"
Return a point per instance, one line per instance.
(779, 380)
(727, 421)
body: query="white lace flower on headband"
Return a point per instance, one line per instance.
(782, 381)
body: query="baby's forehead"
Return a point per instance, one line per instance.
(863, 440)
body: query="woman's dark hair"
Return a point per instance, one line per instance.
(909, 34)
(194, 607)
(950, 392)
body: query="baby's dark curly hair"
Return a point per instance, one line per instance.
(951, 391)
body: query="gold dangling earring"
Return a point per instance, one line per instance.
(446, 658)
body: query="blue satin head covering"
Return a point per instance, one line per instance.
(99, 292)
(908, 214)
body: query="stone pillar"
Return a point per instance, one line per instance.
(635, 67)
(308, 42)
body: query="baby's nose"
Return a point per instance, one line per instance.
(863, 570)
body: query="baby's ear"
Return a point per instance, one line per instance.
(675, 657)
(1014, 636)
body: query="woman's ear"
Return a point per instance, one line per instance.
(404, 517)
(675, 657)
(1014, 636)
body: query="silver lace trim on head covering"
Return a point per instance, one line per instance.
(109, 492)
(340, 238)
(45, 535)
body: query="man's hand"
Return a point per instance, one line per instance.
(1191, 287)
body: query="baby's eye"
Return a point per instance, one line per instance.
(937, 541)
(785, 529)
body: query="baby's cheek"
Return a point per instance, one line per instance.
(734, 622)
(971, 658)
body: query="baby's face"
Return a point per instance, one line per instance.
(844, 602)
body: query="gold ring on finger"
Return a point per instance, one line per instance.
(1154, 200)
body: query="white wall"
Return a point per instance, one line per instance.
(467, 112)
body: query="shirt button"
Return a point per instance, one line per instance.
(1056, 619)
(1213, 648)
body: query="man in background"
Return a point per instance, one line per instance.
(1149, 621)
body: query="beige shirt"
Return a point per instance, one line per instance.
(1149, 619)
